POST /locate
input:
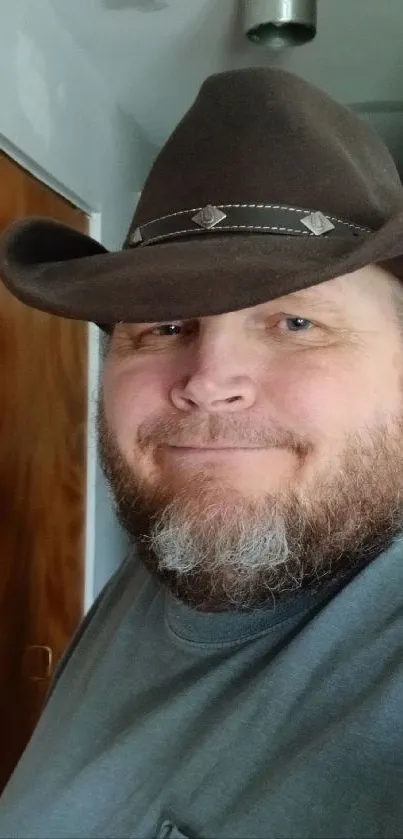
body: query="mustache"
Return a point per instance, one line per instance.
(213, 430)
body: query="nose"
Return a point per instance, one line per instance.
(208, 394)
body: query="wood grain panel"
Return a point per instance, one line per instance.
(43, 430)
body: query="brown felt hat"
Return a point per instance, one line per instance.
(266, 186)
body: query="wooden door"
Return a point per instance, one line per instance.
(43, 429)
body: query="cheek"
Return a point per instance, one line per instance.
(323, 397)
(128, 401)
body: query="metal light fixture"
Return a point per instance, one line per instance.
(280, 23)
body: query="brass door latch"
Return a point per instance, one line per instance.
(38, 662)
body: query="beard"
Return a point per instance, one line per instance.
(218, 550)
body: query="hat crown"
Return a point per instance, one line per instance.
(266, 135)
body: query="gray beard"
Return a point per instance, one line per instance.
(217, 550)
(241, 558)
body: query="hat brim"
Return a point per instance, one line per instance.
(53, 268)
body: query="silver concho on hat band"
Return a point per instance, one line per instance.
(208, 217)
(317, 223)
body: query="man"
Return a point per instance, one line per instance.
(242, 673)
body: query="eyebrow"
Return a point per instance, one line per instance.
(294, 304)
(311, 301)
(314, 301)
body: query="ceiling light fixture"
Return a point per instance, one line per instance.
(280, 23)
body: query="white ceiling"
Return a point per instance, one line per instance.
(154, 54)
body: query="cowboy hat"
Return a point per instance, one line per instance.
(266, 186)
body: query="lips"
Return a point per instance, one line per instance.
(208, 448)
(213, 448)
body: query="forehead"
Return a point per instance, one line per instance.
(325, 297)
(360, 290)
(319, 295)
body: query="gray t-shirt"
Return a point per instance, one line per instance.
(165, 722)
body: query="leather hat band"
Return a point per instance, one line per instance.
(259, 218)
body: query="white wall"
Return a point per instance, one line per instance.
(58, 120)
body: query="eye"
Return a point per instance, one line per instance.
(167, 326)
(297, 321)
(296, 324)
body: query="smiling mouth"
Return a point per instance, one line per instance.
(216, 448)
